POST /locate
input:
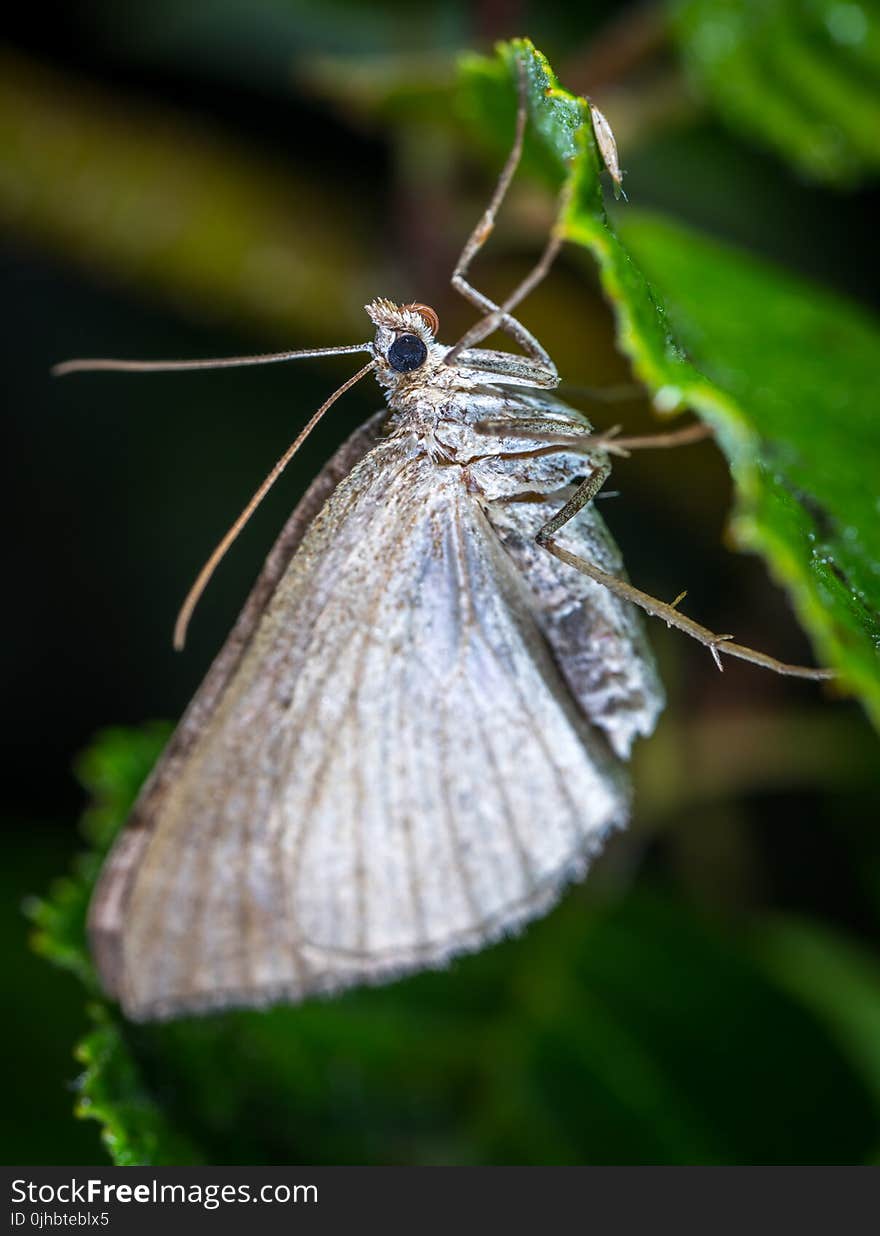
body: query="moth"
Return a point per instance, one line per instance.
(416, 733)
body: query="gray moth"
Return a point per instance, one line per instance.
(417, 732)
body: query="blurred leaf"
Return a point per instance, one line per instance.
(408, 88)
(109, 1089)
(785, 373)
(255, 41)
(799, 76)
(697, 759)
(112, 771)
(152, 199)
(638, 1032)
(838, 980)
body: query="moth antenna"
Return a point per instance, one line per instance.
(195, 592)
(221, 362)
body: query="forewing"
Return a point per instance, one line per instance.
(110, 901)
(393, 773)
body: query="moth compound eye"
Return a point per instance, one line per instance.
(406, 353)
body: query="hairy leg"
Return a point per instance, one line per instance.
(586, 492)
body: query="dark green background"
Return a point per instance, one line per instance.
(692, 1027)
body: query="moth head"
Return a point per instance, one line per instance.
(404, 337)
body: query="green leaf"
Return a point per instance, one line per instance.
(111, 1090)
(792, 373)
(112, 771)
(799, 76)
(638, 1032)
(783, 371)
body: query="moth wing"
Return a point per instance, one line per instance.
(394, 772)
(598, 639)
(110, 900)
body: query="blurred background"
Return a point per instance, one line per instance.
(198, 180)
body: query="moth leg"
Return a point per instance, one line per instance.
(507, 323)
(716, 644)
(611, 442)
(495, 319)
(582, 496)
(543, 429)
(481, 234)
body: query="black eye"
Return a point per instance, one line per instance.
(407, 352)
